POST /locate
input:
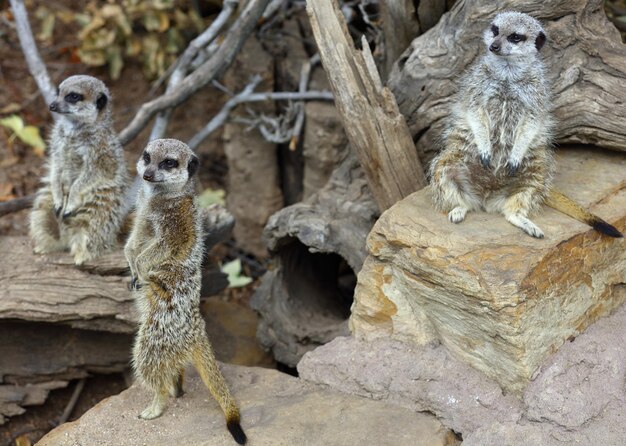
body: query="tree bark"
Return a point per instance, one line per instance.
(377, 131)
(585, 56)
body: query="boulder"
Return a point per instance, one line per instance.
(577, 396)
(496, 298)
(277, 409)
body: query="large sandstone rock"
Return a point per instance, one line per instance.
(577, 397)
(495, 297)
(276, 410)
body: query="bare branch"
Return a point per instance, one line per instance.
(35, 64)
(305, 75)
(211, 69)
(247, 95)
(181, 66)
(8, 207)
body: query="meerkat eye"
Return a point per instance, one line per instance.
(146, 157)
(73, 98)
(516, 38)
(495, 30)
(168, 164)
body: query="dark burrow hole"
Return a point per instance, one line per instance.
(319, 285)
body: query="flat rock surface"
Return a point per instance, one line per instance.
(577, 397)
(496, 298)
(276, 410)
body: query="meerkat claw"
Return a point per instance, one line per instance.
(511, 169)
(457, 215)
(485, 160)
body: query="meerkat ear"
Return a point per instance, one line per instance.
(540, 40)
(192, 167)
(101, 101)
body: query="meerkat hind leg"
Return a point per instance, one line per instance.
(177, 387)
(156, 407)
(515, 211)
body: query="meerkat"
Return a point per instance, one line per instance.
(79, 207)
(164, 252)
(497, 152)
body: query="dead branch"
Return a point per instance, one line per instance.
(247, 95)
(35, 64)
(181, 67)
(209, 70)
(8, 207)
(377, 131)
(305, 76)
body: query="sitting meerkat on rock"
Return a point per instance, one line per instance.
(165, 251)
(80, 205)
(497, 153)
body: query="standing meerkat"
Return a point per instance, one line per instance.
(497, 145)
(165, 251)
(79, 206)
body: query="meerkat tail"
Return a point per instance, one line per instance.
(205, 362)
(556, 200)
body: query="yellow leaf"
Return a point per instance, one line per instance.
(30, 135)
(13, 122)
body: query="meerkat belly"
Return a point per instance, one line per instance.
(504, 116)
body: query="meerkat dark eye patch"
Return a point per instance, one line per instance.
(192, 167)
(102, 100)
(516, 38)
(168, 164)
(146, 157)
(540, 41)
(495, 30)
(73, 98)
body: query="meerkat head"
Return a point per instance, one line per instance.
(81, 99)
(514, 34)
(167, 164)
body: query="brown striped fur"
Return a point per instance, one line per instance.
(165, 251)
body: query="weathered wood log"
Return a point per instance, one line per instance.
(377, 131)
(95, 296)
(318, 246)
(585, 56)
(404, 20)
(39, 357)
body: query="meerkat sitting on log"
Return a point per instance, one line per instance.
(497, 153)
(80, 206)
(165, 251)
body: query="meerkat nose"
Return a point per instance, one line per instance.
(494, 47)
(54, 106)
(148, 175)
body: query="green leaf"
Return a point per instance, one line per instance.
(233, 271)
(211, 196)
(232, 268)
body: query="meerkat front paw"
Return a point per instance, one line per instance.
(485, 160)
(512, 168)
(457, 215)
(134, 284)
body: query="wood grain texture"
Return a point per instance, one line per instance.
(377, 131)
(585, 56)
